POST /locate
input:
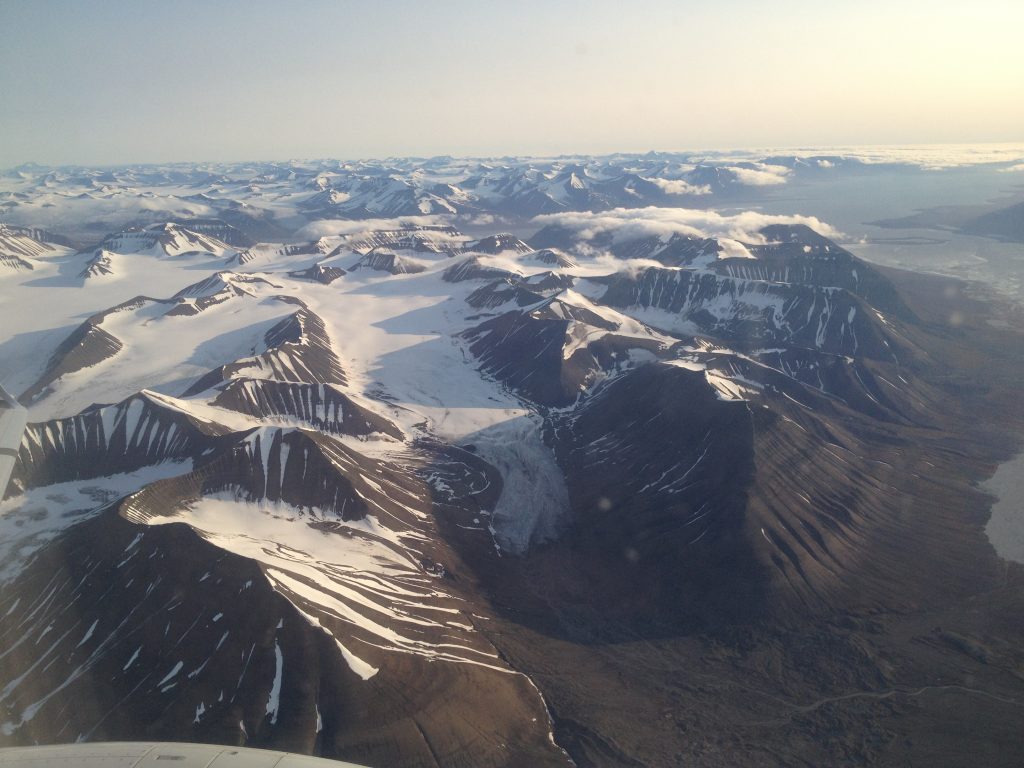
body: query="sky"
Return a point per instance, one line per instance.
(111, 81)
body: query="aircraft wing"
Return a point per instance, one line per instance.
(131, 754)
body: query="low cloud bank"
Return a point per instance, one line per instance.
(331, 227)
(762, 175)
(631, 223)
(679, 187)
(931, 157)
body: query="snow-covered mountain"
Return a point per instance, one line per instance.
(352, 492)
(20, 246)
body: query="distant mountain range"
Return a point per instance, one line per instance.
(268, 201)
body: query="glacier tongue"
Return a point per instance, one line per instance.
(534, 502)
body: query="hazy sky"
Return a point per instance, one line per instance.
(110, 82)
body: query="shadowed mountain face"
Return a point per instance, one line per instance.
(624, 495)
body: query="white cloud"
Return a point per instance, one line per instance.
(1013, 168)
(764, 175)
(734, 248)
(925, 156)
(611, 264)
(631, 223)
(328, 227)
(679, 187)
(478, 220)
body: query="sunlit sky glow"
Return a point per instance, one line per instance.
(117, 82)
